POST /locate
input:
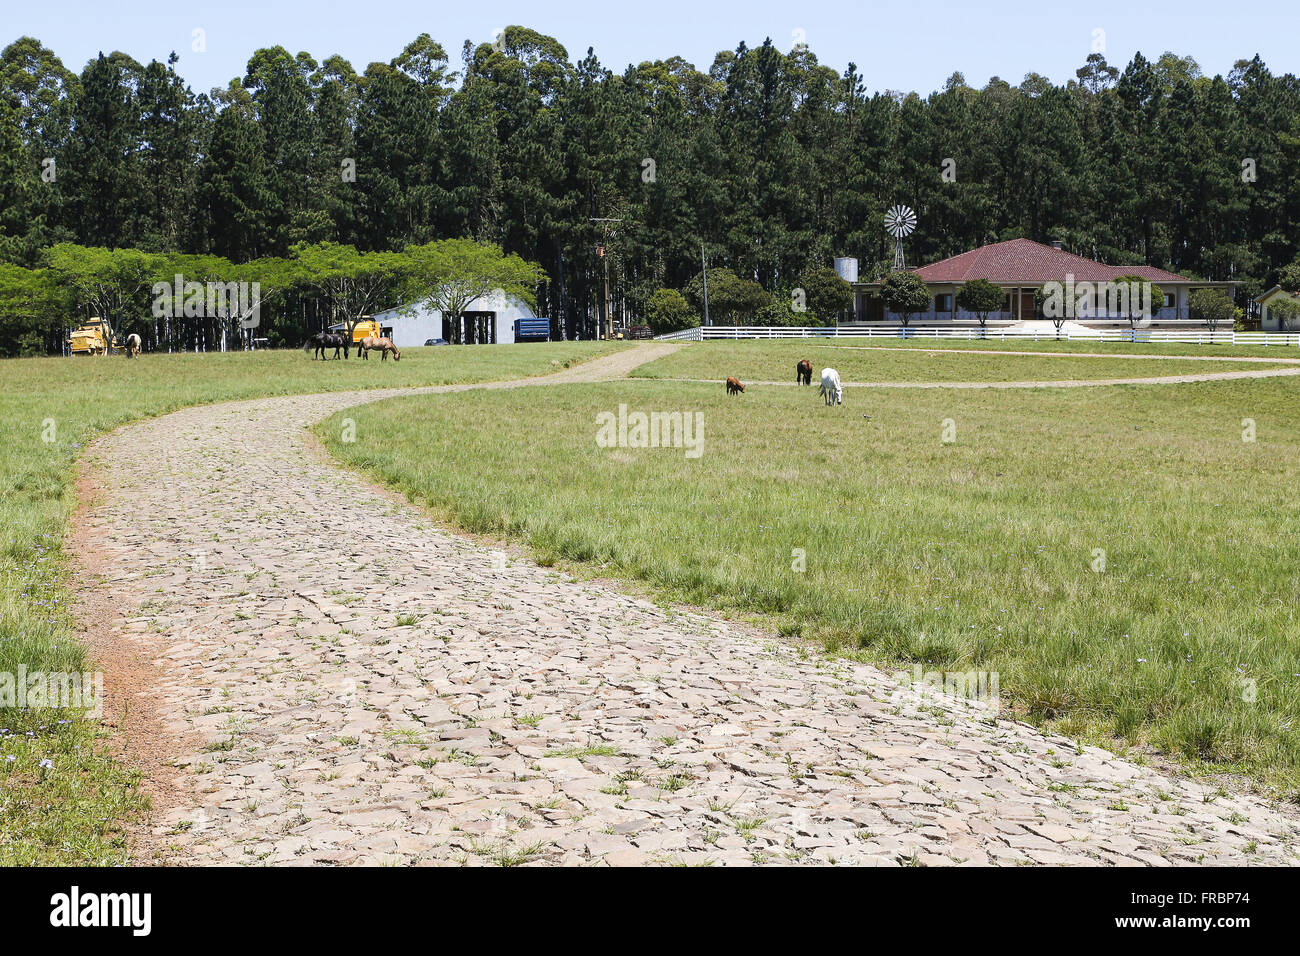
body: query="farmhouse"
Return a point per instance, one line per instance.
(488, 319)
(1271, 318)
(1021, 267)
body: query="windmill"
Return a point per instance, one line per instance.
(899, 222)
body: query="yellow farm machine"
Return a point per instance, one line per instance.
(93, 338)
(366, 328)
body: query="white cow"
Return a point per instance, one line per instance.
(831, 389)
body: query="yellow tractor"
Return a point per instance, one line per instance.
(93, 338)
(366, 328)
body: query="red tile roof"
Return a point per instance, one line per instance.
(1032, 263)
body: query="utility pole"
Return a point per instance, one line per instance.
(602, 251)
(704, 272)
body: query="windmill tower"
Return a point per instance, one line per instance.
(899, 222)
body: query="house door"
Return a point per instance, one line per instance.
(1026, 308)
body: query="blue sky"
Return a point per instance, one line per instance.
(898, 45)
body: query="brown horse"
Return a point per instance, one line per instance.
(385, 345)
(734, 387)
(803, 372)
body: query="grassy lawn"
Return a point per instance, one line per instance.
(980, 554)
(72, 809)
(775, 361)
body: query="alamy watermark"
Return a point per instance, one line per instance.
(977, 688)
(1091, 300)
(626, 429)
(60, 690)
(198, 300)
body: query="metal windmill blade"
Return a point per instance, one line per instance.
(900, 221)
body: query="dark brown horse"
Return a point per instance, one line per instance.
(803, 372)
(326, 340)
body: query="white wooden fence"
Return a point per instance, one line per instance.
(1197, 336)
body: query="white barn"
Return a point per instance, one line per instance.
(488, 319)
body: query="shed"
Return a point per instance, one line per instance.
(489, 319)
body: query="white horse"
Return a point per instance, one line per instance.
(831, 389)
(132, 345)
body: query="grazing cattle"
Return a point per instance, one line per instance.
(326, 340)
(831, 389)
(383, 344)
(734, 387)
(132, 345)
(803, 372)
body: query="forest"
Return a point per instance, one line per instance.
(765, 166)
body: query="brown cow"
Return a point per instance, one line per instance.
(734, 386)
(803, 372)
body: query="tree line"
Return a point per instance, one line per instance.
(194, 302)
(760, 169)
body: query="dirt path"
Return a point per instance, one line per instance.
(339, 684)
(1062, 383)
(1108, 355)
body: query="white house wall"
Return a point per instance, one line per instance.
(423, 324)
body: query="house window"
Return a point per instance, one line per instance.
(1169, 301)
(943, 302)
(1006, 306)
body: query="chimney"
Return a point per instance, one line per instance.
(1056, 243)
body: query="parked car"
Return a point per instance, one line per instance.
(435, 341)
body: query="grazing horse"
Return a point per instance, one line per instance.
(831, 389)
(803, 372)
(326, 340)
(734, 387)
(132, 345)
(384, 344)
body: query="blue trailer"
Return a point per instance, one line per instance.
(532, 330)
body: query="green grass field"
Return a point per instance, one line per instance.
(1119, 555)
(72, 809)
(775, 361)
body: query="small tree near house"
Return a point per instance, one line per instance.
(1287, 312)
(906, 294)
(1211, 306)
(981, 297)
(1134, 287)
(826, 295)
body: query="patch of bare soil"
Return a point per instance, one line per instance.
(132, 671)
